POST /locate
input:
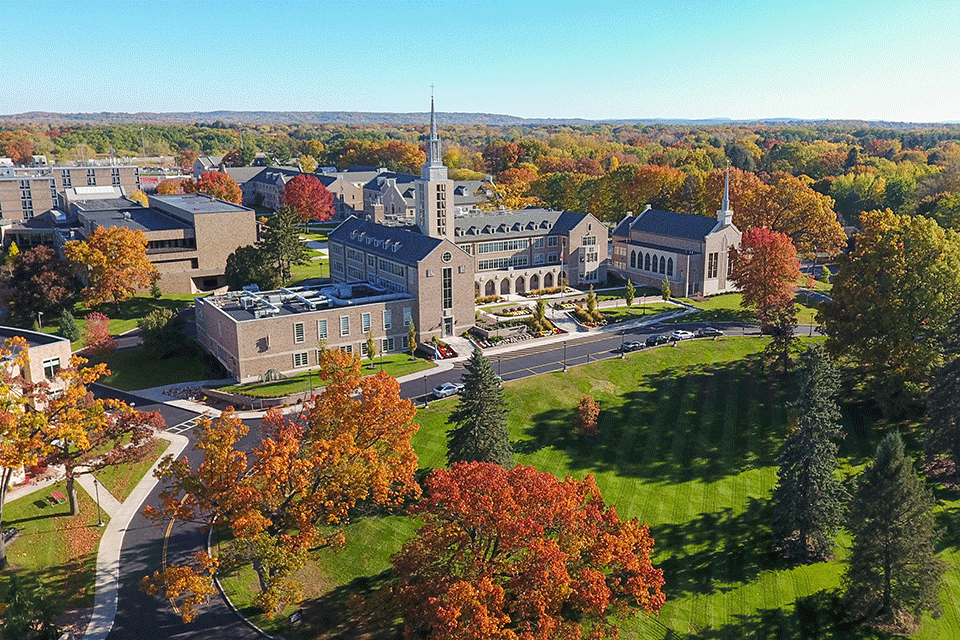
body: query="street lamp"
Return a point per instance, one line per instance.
(96, 490)
(622, 355)
(426, 398)
(564, 355)
(498, 365)
(40, 319)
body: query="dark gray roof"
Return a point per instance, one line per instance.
(198, 203)
(526, 222)
(142, 218)
(394, 243)
(623, 229)
(376, 184)
(32, 338)
(107, 204)
(673, 224)
(243, 174)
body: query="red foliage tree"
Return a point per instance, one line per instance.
(308, 198)
(519, 554)
(20, 151)
(587, 413)
(766, 269)
(96, 335)
(216, 184)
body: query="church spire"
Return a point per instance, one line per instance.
(433, 144)
(725, 215)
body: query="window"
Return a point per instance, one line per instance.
(363, 350)
(301, 359)
(447, 288)
(663, 265)
(670, 266)
(364, 322)
(371, 260)
(387, 319)
(633, 259)
(538, 243)
(729, 263)
(321, 329)
(538, 258)
(347, 348)
(589, 241)
(406, 316)
(50, 367)
(646, 262)
(391, 267)
(404, 342)
(552, 258)
(552, 241)
(712, 265)
(502, 263)
(344, 325)
(387, 345)
(447, 256)
(503, 245)
(298, 336)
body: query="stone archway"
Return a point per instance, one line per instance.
(490, 289)
(534, 282)
(548, 281)
(505, 287)
(519, 285)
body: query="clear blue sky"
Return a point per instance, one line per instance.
(882, 60)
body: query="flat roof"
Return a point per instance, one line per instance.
(251, 305)
(199, 203)
(33, 338)
(142, 218)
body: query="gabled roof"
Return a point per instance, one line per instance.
(243, 174)
(376, 184)
(672, 224)
(393, 243)
(526, 222)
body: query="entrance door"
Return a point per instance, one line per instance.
(447, 327)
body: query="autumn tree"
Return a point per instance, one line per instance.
(141, 197)
(588, 410)
(766, 270)
(39, 282)
(808, 499)
(170, 186)
(97, 339)
(281, 243)
(629, 293)
(479, 433)
(185, 159)
(306, 196)
(250, 265)
(943, 402)
(516, 553)
(412, 339)
(308, 164)
(298, 487)
(893, 572)
(113, 261)
(892, 298)
(20, 151)
(371, 346)
(217, 184)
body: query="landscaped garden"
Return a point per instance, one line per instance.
(688, 443)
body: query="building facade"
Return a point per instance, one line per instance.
(27, 192)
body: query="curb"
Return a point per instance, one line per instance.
(223, 594)
(108, 554)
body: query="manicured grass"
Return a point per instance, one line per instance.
(313, 269)
(317, 236)
(619, 314)
(58, 549)
(397, 365)
(120, 480)
(619, 292)
(726, 308)
(132, 369)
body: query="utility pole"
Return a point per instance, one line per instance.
(143, 145)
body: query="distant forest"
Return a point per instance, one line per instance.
(605, 168)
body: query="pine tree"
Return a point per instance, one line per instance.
(281, 243)
(68, 326)
(480, 434)
(893, 572)
(943, 402)
(630, 293)
(808, 498)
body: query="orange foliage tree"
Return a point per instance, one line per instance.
(170, 186)
(587, 413)
(308, 198)
(114, 262)
(292, 492)
(516, 553)
(216, 184)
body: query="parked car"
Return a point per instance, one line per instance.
(632, 345)
(681, 334)
(653, 341)
(447, 389)
(709, 331)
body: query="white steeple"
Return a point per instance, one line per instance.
(435, 207)
(725, 215)
(433, 169)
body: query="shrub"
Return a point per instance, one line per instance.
(68, 326)
(96, 336)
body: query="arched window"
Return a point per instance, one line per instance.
(670, 266)
(663, 265)
(646, 262)
(633, 259)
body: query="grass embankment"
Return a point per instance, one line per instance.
(122, 479)
(397, 365)
(637, 311)
(726, 308)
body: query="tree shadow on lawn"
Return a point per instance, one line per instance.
(358, 609)
(683, 424)
(715, 552)
(820, 616)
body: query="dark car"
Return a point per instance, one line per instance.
(632, 345)
(653, 341)
(709, 331)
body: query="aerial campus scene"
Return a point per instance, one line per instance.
(452, 320)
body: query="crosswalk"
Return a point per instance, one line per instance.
(187, 425)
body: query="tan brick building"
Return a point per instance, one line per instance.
(27, 192)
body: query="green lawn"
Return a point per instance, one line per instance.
(126, 319)
(313, 269)
(688, 444)
(613, 294)
(120, 480)
(317, 236)
(132, 369)
(623, 313)
(726, 308)
(397, 365)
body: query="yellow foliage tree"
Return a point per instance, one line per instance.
(114, 262)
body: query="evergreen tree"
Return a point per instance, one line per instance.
(808, 498)
(665, 290)
(943, 402)
(281, 243)
(68, 326)
(480, 434)
(630, 293)
(893, 572)
(412, 339)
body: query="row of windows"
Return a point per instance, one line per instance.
(497, 246)
(299, 335)
(387, 345)
(649, 262)
(589, 241)
(392, 267)
(502, 263)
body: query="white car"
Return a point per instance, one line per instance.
(680, 334)
(447, 389)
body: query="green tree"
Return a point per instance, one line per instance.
(893, 297)
(371, 348)
(665, 290)
(591, 301)
(250, 265)
(29, 613)
(480, 434)
(68, 326)
(630, 293)
(943, 402)
(162, 332)
(893, 572)
(281, 243)
(808, 498)
(412, 339)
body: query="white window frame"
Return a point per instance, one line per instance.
(387, 319)
(344, 326)
(322, 329)
(299, 337)
(301, 360)
(365, 322)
